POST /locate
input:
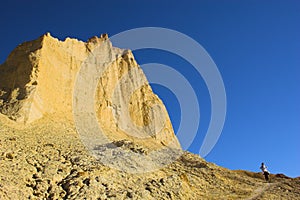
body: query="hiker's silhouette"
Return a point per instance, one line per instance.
(265, 172)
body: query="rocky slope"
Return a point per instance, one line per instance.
(43, 155)
(46, 160)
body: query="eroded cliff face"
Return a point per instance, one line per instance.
(38, 79)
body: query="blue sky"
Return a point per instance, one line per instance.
(255, 44)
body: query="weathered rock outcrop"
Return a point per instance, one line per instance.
(38, 78)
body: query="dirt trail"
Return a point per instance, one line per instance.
(261, 190)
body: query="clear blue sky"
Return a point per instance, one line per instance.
(255, 44)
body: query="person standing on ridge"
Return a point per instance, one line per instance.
(265, 172)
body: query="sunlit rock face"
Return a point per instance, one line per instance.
(39, 76)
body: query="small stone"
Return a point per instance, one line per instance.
(129, 195)
(9, 156)
(36, 176)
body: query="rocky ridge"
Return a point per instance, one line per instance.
(43, 157)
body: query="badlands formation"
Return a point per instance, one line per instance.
(55, 97)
